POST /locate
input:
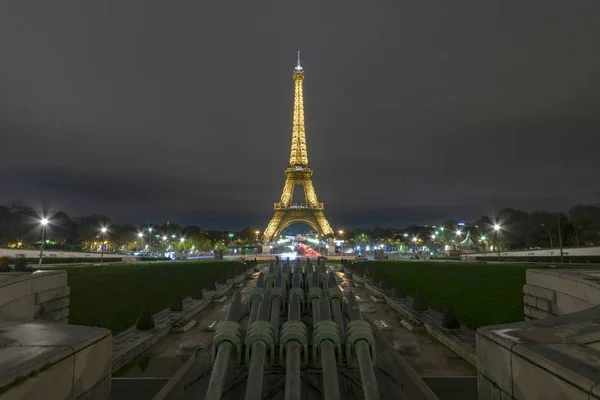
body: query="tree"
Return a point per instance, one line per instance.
(586, 224)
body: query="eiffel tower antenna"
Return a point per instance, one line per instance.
(298, 173)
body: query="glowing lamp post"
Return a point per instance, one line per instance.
(497, 229)
(141, 236)
(149, 239)
(43, 223)
(103, 230)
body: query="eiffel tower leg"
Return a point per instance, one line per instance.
(273, 224)
(309, 192)
(288, 190)
(323, 223)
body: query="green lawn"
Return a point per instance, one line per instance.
(480, 294)
(114, 296)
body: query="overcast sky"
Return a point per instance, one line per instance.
(415, 111)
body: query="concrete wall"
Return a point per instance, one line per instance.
(555, 357)
(568, 251)
(559, 292)
(44, 361)
(53, 253)
(42, 295)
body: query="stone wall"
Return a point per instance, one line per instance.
(555, 355)
(42, 295)
(559, 292)
(42, 360)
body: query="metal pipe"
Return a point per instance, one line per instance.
(367, 373)
(260, 282)
(363, 355)
(256, 371)
(315, 311)
(256, 368)
(219, 372)
(253, 311)
(276, 306)
(293, 348)
(331, 388)
(275, 309)
(292, 371)
(336, 309)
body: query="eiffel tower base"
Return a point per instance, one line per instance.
(284, 217)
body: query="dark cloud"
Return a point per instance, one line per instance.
(414, 111)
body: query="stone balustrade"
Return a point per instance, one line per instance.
(42, 295)
(45, 360)
(551, 292)
(553, 355)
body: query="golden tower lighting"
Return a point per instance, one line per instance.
(311, 211)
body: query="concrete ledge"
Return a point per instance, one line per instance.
(35, 295)
(559, 353)
(43, 360)
(14, 285)
(551, 292)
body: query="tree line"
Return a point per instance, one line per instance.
(20, 227)
(580, 226)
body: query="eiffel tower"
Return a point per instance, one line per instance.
(311, 211)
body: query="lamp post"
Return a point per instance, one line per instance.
(341, 232)
(497, 229)
(562, 258)
(149, 239)
(103, 230)
(458, 233)
(141, 236)
(43, 222)
(181, 241)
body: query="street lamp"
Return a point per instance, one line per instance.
(103, 230)
(257, 232)
(43, 223)
(497, 229)
(149, 239)
(141, 236)
(181, 240)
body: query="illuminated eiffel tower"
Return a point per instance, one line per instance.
(311, 211)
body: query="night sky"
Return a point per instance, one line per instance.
(415, 111)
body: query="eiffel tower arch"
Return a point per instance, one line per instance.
(310, 211)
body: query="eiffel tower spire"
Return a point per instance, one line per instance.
(298, 155)
(311, 211)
